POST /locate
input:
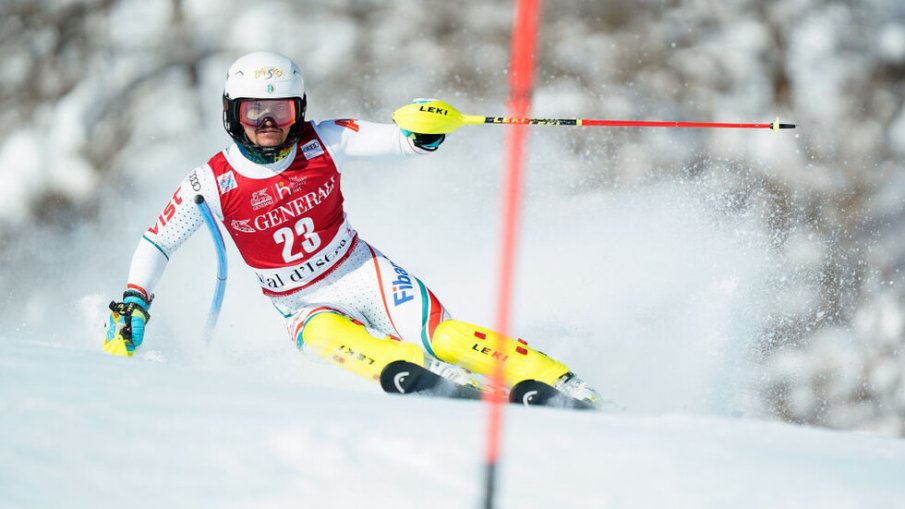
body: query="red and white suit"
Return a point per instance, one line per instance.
(288, 223)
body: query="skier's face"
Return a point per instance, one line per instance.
(267, 121)
(267, 134)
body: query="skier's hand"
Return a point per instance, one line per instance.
(126, 325)
(428, 142)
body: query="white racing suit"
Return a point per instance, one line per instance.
(288, 223)
(287, 220)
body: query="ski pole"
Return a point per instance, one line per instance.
(220, 289)
(439, 117)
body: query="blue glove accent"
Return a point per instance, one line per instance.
(428, 142)
(132, 316)
(137, 320)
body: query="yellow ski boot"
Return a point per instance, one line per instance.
(478, 349)
(347, 343)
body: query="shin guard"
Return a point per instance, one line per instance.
(348, 344)
(475, 348)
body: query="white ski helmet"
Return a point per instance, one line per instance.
(263, 75)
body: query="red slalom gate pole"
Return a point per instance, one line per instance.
(521, 84)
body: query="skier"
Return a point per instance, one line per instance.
(277, 192)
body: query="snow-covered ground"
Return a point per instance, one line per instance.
(81, 429)
(657, 293)
(663, 295)
(657, 305)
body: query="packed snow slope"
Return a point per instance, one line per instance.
(81, 429)
(656, 295)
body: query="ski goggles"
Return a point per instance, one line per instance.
(254, 112)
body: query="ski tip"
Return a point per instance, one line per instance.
(403, 377)
(397, 377)
(535, 393)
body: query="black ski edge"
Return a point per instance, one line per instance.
(535, 393)
(403, 377)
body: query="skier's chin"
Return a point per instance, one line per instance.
(269, 138)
